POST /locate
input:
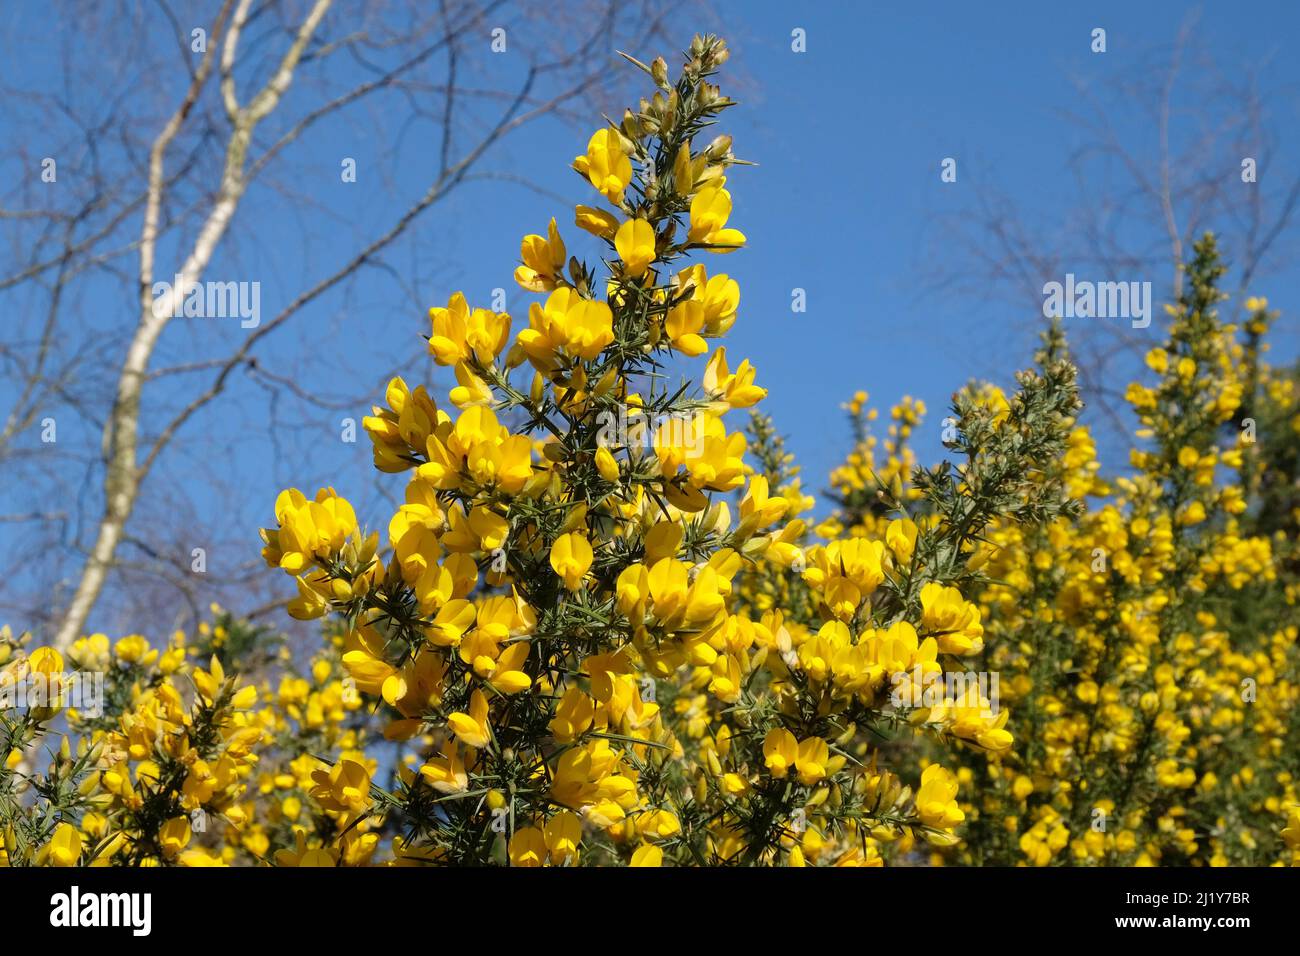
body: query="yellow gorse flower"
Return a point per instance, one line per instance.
(635, 243)
(606, 164)
(710, 210)
(64, 848)
(544, 258)
(460, 332)
(571, 557)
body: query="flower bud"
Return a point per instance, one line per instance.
(659, 71)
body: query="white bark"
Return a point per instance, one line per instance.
(121, 433)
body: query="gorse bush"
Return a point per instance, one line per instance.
(1149, 651)
(559, 624)
(174, 761)
(599, 629)
(1146, 651)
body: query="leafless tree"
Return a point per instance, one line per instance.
(150, 141)
(1140, 202)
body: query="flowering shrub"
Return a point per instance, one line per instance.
(1146, 652)
(559, 631)
(1149, 650)
(598, 630)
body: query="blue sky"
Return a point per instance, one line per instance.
(847, 197)
(846, 203)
